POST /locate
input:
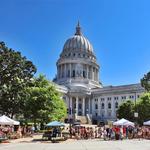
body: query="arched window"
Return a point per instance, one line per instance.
(96, 106)
(84, 74)
(80, 106)
(116, 105)
(109, 105)
(102, 106)
(73, 73)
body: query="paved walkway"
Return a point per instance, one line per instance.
(27, 139)
(96, 144)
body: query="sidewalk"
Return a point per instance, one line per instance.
(26, 139)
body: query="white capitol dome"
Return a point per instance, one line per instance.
(77, 63)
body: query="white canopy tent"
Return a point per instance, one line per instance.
(4, 120)
(147, 123)
(129, 123)
(123, 122)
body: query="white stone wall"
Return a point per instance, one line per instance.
(110, 113)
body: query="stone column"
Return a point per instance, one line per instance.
(105, 108)
(97, 74)
(60, 71)
(70, 70)
(99, 106)
(77, 104)
(113, 108)
(89, 106)
(65, 71)
(71, 105)
(92, 73)
(57, 72)
(83, 107)
(87, 71)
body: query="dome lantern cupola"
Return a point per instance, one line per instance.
(78, 29)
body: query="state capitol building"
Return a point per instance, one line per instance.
(78, 80)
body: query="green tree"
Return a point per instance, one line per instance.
(143, 108)
(126, 110)
(145, 81)
(15, 75)
(43, 102)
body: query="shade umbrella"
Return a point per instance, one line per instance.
(147, 123)
(55, 124)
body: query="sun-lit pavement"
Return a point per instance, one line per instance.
(28, 144)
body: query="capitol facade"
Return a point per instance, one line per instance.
(78, 80)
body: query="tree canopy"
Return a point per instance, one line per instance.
(126, 110)
(143, 108)
(44, 102)
(16, 73)
(145, 81)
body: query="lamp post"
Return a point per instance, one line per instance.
(136, 112)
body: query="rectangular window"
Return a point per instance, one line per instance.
(96, 106)
(108, 98)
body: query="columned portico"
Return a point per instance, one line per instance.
(82, 105)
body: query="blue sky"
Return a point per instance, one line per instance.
(119, 31)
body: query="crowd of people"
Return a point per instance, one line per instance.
(110, 133)
(13, 132)
(82, 132)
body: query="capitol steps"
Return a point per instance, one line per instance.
(88, 119)
(84, 119)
